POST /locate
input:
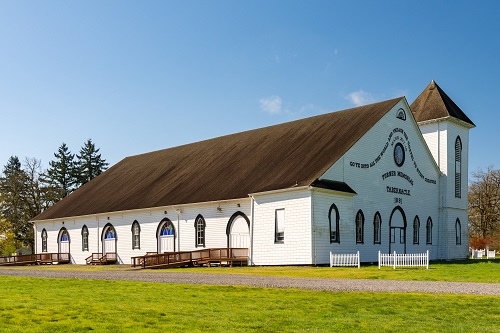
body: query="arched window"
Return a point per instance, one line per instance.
(44, 240)
(110, 233)
(333, 217)
(377, 223)
(401, 114)
(136, 235)
(360, 223)
(458, 232)
(458, 168)
(416, 230)
(64, 235)
(429, 231)
(199, 227)
(167, 229)
(85, 238)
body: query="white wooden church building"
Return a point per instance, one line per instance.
(385, 176)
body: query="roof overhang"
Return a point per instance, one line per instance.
(450, 119)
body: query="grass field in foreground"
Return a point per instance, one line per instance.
(457, 271)
(72, 305)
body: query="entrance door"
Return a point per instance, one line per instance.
(64, 241)
(397, 226)
(166, 237)
(109, 245)
(239, 236)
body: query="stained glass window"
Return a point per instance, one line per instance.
(167, 229)
(64, 236)
(110, 233)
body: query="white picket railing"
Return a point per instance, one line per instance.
(403, 260)
(477, 254)
(490, 254)
(344, 259)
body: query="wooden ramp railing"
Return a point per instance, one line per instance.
(207, 257)
(101, 259)
(36, 259)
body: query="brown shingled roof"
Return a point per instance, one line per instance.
(433, 103)
(228, 167)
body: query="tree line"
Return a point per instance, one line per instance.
(26, 190)
(484, 209)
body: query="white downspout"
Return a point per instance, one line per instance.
(313, 229)
(34, 238)
(178, 233)
(98, 238)
(251, 229)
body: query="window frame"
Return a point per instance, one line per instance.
(199, 231)
(279, 236)
(136, 238)
(416, 230)
(334, 231)
(428, 231)
(360, 227)
(458, 232)
(458, 167)
(377, 226)
(85, 238)
(44, 240)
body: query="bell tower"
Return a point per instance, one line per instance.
(445, 128)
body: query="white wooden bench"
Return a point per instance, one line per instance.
(337, 259)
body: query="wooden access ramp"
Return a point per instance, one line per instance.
(36, 259)
(102, 259)
(205, 257)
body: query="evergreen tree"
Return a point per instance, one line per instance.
(89, 163)
(61, 174)
(14, 193)
(13, 189)
(22, 198)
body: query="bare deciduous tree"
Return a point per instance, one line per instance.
(484, 204)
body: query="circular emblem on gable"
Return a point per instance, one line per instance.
(399, 154)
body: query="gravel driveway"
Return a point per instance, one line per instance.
(270, 281)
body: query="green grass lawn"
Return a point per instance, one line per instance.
(73, 305)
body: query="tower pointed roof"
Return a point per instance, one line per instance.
(433, 103)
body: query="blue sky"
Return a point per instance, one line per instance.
(139, 76)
